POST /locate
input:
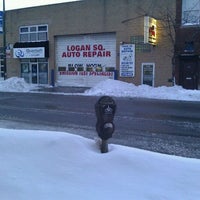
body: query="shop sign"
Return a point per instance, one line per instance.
(85, 60)
(150, 30)
(90, 52)
(127, 60)
(85, 73)
(83, 78)
(35, 52)
(86, 51)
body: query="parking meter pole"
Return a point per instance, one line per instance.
(104, 146)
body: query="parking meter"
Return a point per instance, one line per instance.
(105, 109)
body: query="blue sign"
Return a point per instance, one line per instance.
(127, 60)
(1, 21)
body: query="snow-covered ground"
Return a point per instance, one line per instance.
(47, 165)
(58, 166)
(114, 88)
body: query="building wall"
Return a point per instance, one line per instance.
(123, 17)
(187, 52)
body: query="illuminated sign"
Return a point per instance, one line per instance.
(150, 30)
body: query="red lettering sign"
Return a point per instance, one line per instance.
(85, 73)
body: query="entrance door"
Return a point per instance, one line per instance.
(30, 72)
(189, 74)
(34, 73)
(148, 73)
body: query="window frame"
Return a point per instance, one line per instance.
(32, 33)
(143, 75)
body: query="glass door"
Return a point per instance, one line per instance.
(34, 73)
(148, 73)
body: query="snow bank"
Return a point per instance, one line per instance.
(113, 88)
(16, 84)
(122, 89)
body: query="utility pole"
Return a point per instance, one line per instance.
(4, 40)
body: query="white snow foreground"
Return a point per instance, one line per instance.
(58, 166)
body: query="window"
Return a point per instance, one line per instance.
(61, 69)
(89, 69)
(139, 44)
(110, 69)
(190, 12)
(33, 33)
(189, 47)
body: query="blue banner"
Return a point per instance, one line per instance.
(1, 21)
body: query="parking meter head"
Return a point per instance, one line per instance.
(105, 109)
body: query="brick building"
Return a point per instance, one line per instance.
(187, 52)
(81, 43)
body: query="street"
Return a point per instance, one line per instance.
(171, 127)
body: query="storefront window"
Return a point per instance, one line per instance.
(35, 71)
(25, 67)
(43, 73)
(25, 72)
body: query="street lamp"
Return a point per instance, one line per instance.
(4, 40)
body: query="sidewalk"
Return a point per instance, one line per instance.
(63, 89)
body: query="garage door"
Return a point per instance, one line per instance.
(85, 60)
